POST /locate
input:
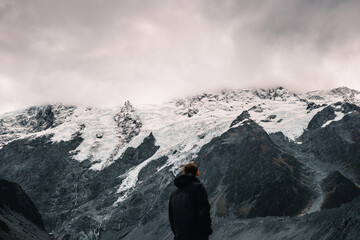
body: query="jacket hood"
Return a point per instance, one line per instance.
(184, 180)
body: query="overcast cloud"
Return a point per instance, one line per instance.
(92, 52)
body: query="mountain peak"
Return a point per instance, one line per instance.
(127, 107)
(278, 93)
(344, 91)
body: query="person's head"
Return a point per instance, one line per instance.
(191, 168)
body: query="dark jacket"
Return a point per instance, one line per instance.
(189, 209)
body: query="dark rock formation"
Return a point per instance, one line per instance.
(128, 122)
(191, 112)
(338, 190)
(338, 142)
(74, 200)
(246, 172)
(247, 175)
(13, 225)
(19, 218)
(332, 224)
(311, 106)
(244, 115)
(275, 93)
(256, 108)
(33, 119)
(271, 117)
(322, 117)
(16, 199)
(349, 107)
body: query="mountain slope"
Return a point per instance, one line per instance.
(19, 218)
(107, 173)
(247, 173)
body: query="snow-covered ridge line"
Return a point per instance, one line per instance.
(107, 132)
(32, 122)
(180, 128)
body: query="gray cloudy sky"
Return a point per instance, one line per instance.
(93, 52)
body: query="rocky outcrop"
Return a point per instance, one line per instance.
(329, 113)
(311, 106)
(32, 120)
(41, 118)
(243, 116)
(14, 225)
(349, 107)
(75, 201)
(19, 218)
(249, 176)
(332, 224)
(343, 93)
(338, 142)
(16, 199)
(278, 93)
(322, 117)
(347, 93)
(128, 122)
(338, 190)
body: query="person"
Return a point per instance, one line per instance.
(189, 208)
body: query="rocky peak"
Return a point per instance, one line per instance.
(330, 112)
(127, 107)
(344, 91)
(244, 115)
(128, 121)
(247, 175)
(347, 94)
(278, 93)
(32, 120)
(337, 94)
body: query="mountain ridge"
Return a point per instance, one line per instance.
(110, 170)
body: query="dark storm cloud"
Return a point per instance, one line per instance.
(104, 52)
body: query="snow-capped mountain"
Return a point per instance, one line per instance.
(105, 173)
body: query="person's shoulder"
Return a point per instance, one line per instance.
(198, 186)
(174, 192)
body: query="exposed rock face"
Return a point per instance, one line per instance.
(47, 172)
(338, 190)
(243, 116)
(247, 172)
(19, 218)
(349, 107)
(338, 142)
(14, 225)
(75, 202)
(322, 117)
(32, 120)
(279, 93)
(330, 112)
(128, 122)
(333, 224)
(191, 112)
(249, 176)
(347, 93)
(311, 106)
(16, 199)
(343, 94)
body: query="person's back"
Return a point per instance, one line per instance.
(189, 209)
